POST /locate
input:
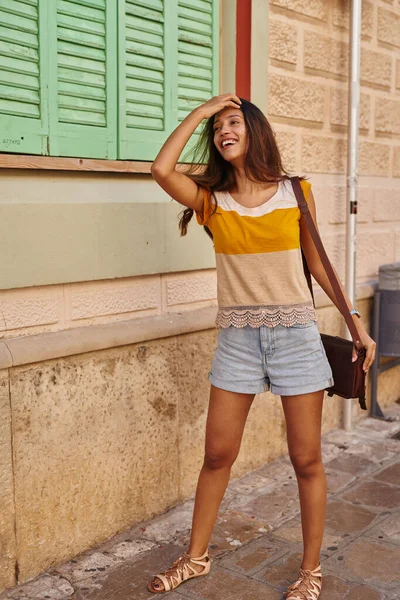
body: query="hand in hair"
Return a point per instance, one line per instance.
(218, 103)
(178, 185)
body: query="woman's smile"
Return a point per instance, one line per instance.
(229, 132)
(227, 143)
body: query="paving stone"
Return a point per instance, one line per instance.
(232, 530)
(378, 425)
(388, 529)
(374, 493)
(329, 451)
(282, 572)
(343, 517)
(390, 445)
(291, 531)
(280, 471)
(56, 588)
(169, 525)
(252, 557)
(227, 500)
(131, 578)
(376, 452)
(339, 437)
(87, 567)
(348, 463)
(130, 548)
(334, 588)
(392, 411)
(390, 475)
(250, 483)
(225, 585)
(132, 540)
(347, 439)
(367, 562)
(336, 480)
(273, 507)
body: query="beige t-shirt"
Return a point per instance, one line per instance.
(259, 263)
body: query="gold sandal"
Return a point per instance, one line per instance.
(180, 571)
(308, 585)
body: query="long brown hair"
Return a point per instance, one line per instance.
(262, 161)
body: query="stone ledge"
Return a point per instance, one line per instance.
(47, 346)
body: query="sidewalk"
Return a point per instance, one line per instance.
(256, 544)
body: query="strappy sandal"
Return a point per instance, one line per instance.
(307, 587)
(181, 571)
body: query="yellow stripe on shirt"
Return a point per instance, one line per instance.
(273, 232)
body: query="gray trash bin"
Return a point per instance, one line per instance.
(389, 288)
(386, 327)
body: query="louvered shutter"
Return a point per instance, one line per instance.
(145, 81)
(168, 64)
(23, 77)
(83, 78)
(197, 56)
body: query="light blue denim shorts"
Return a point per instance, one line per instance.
(286, 360)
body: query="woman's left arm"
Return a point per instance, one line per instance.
(318, 272)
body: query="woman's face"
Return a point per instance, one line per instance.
(230, 136)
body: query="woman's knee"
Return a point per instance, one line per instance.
(307, 465)
(219, 458)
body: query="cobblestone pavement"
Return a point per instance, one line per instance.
(256, 544)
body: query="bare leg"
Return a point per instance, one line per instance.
(303, 421)
(227, 414)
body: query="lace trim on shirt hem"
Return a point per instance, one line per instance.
(255, 316)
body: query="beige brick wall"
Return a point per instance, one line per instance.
(308, 98)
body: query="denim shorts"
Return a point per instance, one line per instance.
(285, 360)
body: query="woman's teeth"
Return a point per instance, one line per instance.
(228, 143)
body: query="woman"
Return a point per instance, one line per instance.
(268, 336)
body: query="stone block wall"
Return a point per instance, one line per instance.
(308, 104)
(309, 54)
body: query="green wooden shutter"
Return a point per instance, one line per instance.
(83, 78)
(197, 56)
(23, 77)
(144, 77)
(168, 64)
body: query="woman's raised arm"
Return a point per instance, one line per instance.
(179, 186)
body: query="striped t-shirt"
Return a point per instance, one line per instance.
(260, 276)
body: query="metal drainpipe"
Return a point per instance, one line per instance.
(352, 164)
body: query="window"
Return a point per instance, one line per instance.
(102, 78)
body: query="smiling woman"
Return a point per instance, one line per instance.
(268, 337)
(227, 137)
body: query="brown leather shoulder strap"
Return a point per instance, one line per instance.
(344, 309)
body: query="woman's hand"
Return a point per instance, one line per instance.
(213, 106)
(370, 347)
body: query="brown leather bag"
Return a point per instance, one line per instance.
(348, 376)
